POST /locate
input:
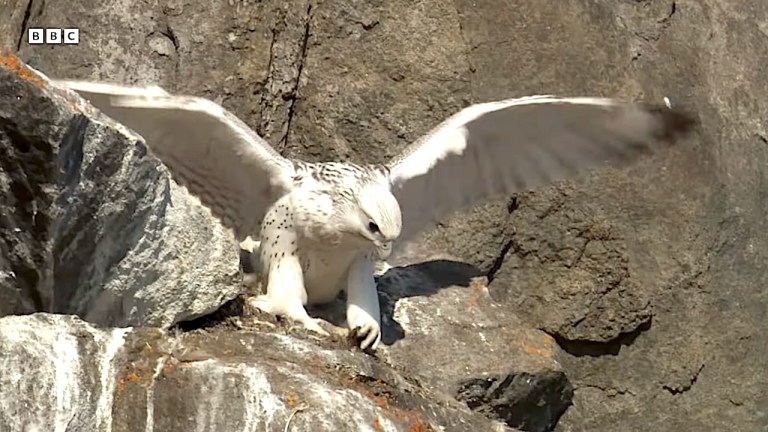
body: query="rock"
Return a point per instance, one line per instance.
(77, 377)
(13, 13)
(91, 223)
(583, 287)
(58, 373)
(456, 341)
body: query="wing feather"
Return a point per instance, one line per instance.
(207, 149)
(498, 148)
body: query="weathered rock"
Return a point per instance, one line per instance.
(680, 238)
(58, 373)
(572, 281)
(79, 378)
(456, 341)
(91, 224)
(13, 13)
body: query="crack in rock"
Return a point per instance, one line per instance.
(294, 95)
(24, 23)
(512, 205)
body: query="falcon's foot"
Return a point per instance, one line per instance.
(295, 313)
(363, 327)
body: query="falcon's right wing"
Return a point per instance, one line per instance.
(231, 169)
(494, 149)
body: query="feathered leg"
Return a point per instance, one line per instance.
(281, 269)
(363, 314)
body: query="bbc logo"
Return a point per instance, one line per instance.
(54, 36)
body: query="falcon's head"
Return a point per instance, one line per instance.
(378, 219)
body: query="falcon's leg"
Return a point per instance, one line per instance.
(286, 295)
(363, 315)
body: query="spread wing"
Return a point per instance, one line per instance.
(232, 170)
(498, 148)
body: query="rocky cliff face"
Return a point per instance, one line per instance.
(628, 300)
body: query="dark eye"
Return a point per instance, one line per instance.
(373, 227)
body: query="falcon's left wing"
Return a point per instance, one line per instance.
(498, 148)
(230, 168)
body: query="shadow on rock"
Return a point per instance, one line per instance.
(423, 279)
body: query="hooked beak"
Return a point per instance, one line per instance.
(384, 249)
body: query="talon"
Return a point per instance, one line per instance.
(369, 336)
(371, 341)
(261, 303)
(313, 324)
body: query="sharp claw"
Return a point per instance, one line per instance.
(314, 325)
(368, 335)
(371, 341)
(264, 304)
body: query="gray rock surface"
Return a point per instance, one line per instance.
(91, 224)
(651, 279)
(456, 341)
(76, 377)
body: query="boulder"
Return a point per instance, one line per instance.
(92, 224)
(78, 377)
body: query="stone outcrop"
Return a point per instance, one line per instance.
(92, 225)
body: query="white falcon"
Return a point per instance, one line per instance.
(322, 226)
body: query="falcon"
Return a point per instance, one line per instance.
(321, 227)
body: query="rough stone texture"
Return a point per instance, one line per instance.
(651, 278)
(91, 224)
(13, 22)
(79, 378)
(441, 330)
(65, 380)
(456, 341)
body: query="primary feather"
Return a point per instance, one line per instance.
(214, 154)
(498, 148)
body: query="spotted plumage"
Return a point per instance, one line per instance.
(321, 227)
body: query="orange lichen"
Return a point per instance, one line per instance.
(531, 349)
(291, 400)
(13, 64)
(376, 423)
(140, 373)
(539, 351)
(419, 426)
(16, 66)
(548, 340)
(477, 291)
(131, 376)
(377, 391)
